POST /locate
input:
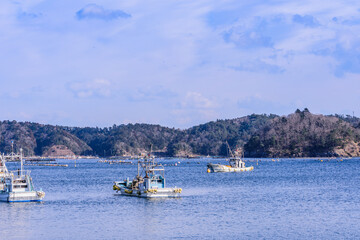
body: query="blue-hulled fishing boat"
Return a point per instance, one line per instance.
(148, 183)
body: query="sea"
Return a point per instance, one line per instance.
(279, 199)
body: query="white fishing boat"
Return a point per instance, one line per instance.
(148, 183)
(17, 186)
(235, 165)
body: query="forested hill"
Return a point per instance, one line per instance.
(38, 139)
(301, 134)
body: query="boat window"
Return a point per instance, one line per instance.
(20, 181)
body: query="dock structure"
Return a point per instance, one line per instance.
(115, 161)
(47, 164)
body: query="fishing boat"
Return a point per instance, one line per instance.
(148, 183)
(235, 165)
(17, 186)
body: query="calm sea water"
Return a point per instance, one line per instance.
(286, 199)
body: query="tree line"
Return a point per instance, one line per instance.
(301, 134)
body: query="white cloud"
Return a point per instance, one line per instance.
(94, 11)
(180, 46)
(194, 108)
(151, 93)
(94, 88)
(198, 101)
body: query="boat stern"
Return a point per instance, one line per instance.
(161, 193)
(31, 196)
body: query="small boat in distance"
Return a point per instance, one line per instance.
(17, 186)
(235, 165)
(148, 183)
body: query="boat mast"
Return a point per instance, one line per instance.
(229, 149)
(153, 159)
(12, 150)
(21, 160)
(138, 168)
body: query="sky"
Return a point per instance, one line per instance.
(176, 63)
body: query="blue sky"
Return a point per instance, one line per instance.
(176, 63)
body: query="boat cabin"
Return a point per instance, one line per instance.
(236, 162)
(20, 182)
(154, 182)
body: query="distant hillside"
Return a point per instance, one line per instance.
(37, 139)
(131, 139)
(301, 134)
(210, 138)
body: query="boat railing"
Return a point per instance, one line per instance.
(20, 173)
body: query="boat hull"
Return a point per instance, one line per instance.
(32, 196)
(152, 193)
(226, 168)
